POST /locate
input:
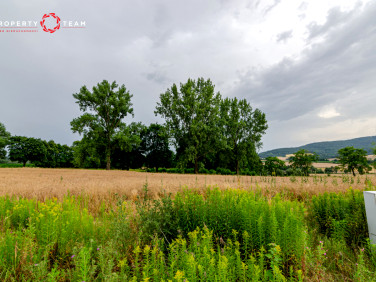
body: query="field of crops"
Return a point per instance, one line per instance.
(92, 225)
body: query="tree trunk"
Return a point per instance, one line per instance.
(353, 171)
(196, 166)
(108, 155)
(156, 169)
(24, 163)
(237, 167)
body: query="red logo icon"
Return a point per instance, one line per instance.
(44, 25)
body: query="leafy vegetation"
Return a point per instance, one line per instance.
(104, 107)
(4, 137)
(243, 128)
(192, 118)
(303, 160)
(352, 159)
(230, 235)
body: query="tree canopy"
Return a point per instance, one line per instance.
(303, 160)
(104, 109)
(155, 147)
(4, 139)
(191, 114)
(352, 159)
(242, 129)
(273, 165)
(23, 149)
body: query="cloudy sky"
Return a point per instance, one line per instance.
(309, 65)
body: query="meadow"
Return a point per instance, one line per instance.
(95, 225)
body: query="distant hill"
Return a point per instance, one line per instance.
(325, 150)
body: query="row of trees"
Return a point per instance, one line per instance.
(350, 160)
(150, 148)
(39, 152)
(204, 129)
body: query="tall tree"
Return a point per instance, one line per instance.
(243, 128)
(352, 159)
(303, 160)
(191, 112)
(4, 139)
(156, 147)
(104, 110)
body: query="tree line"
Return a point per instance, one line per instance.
(202, 131)
(350, 160)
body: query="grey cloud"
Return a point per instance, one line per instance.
(329, 71)
(157, 77)
(148, 45)
(335, 19)
(284, 36)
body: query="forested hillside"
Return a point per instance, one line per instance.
(326, 149)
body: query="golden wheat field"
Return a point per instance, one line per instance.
(42, 183)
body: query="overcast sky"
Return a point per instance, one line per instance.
(309, 65)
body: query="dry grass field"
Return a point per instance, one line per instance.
(43, 183)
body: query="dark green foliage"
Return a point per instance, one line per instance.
(4, 139)
(127, 152)
(303, 160)
(26, 149)
(155, 147)
(343, 214)
(57, 155)
(242, 130)
(157, 217)
(352, 159)
(12, 165)
(274, 166)
(39, 152)
(191, 113)
(104, 110)
(88, 154)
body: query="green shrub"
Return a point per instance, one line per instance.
(335, 214)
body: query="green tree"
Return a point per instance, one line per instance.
(104, 110)
(23, 149)
(87, 153)
(352, 159)
(127, 149)
(57, 155)
(4, 139)
(303, 160)
(155, 146)
(273, 165)
(191, 114)
(243, 128)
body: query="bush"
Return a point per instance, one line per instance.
(224, 171)
(337, 215)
